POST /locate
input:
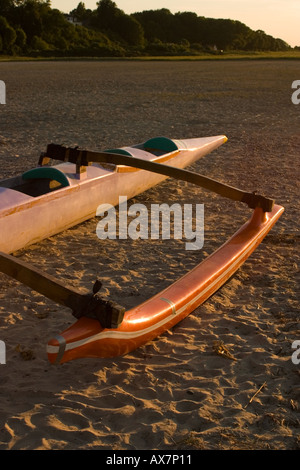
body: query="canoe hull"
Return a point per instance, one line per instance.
(86, 338)
(25, 220)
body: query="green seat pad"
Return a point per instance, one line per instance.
(47, 173)
(161, 143)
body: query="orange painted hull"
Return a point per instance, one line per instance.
(86, 338)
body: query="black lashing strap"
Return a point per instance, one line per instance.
(85, 157)
(91, 305)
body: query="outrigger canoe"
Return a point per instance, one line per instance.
(49, 199)
(104, 328)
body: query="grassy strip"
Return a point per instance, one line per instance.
(288, 55)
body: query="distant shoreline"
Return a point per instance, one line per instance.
(291, 55)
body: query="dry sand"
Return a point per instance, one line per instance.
(176, 392)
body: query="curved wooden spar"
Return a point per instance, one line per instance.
(84, 157)
(107, 312)
(86, 338)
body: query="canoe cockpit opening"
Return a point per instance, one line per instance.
(47, 173)
(159, 146)
(119, 151)
(43, 180)
(37, 181)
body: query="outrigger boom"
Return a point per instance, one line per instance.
(83, 158)
(91, 305)
(103, 327)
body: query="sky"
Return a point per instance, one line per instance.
(279, 18)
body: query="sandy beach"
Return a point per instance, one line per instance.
(177, 392)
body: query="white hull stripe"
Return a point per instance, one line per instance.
(170, 303)
(135, 334)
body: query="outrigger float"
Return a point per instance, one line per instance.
(49, 199)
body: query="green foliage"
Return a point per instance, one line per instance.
(220, 34)
(80, 12)
(117, 25)
(32, 27)
(7, 34)
(21, 37)
(39, 44)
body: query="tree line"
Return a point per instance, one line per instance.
(33, 27)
